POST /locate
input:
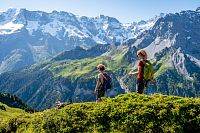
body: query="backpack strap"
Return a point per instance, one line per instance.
(105, 76)
(145, 61)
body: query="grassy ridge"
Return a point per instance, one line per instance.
(125, 113)
(8, 113)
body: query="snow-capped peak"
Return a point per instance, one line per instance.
(103, 29)
(10, 28)
(8, 15)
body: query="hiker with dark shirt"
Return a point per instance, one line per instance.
(60, 105)
(99, 89)
(142, 55)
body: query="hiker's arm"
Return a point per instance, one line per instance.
(132, 72)
(135, 72)
(98, 84)
(100, 80)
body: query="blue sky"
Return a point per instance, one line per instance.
(125, 11)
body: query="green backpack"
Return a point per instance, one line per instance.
(148, 70)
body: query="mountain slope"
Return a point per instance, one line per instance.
(125, 113)
(15, 102)
(43, 84)
(80, 53)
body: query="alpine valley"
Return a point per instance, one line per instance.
(47, 57)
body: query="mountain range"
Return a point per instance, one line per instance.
(28, 37)
(67, 48)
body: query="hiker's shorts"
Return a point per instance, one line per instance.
(140, 86)
(101, 92)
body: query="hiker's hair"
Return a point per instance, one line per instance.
(142, 52)
(101, 67)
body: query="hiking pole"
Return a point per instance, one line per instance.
(122, 83)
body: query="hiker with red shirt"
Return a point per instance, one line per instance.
(142, 55)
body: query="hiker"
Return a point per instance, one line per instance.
(60, 105)
(143, 78)
(99, 89)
